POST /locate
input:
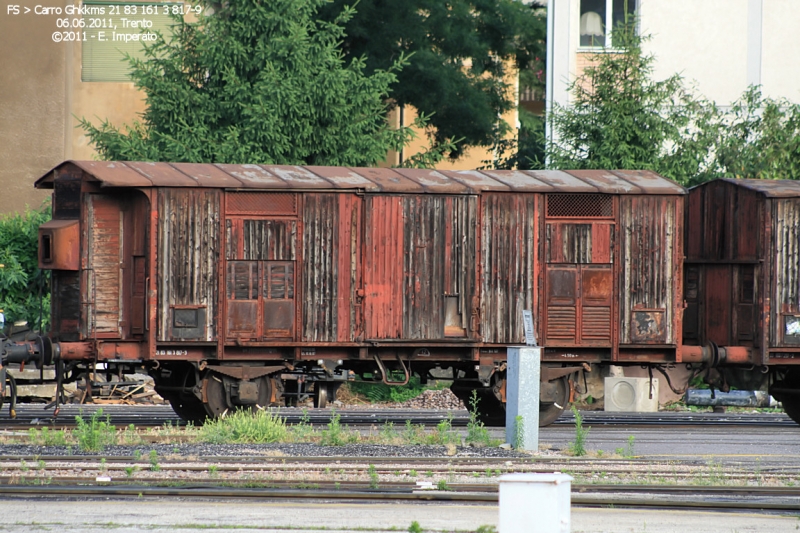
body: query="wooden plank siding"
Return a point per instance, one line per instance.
(509, 259)
(649, 234)
(189, 255)
(103, 277)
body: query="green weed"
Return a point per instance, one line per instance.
(335, 434)
(95, 434)
(245, 427)
(519, 432)
(415, 527)
(629, 447)
(373, 477)
(476, 431)
(578, 446)
(47, 437)
(303, 431)
(154, 466)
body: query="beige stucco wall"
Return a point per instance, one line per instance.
(118, 103)
(718, 46)
(704, 41)
(41, 98)
(780, 62)
(32, 103)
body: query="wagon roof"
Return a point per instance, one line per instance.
(769, 188)
(389, 180)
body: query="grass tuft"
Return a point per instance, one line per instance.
(245, 427)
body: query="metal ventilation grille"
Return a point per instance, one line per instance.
(258, 203)
(580, 206)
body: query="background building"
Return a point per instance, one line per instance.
(48, 86)
(719, 46)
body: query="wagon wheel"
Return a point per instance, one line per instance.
(185, 404)
(791, 406)
(188, 408)
(491, 411)
(790, 402)
(321, 394)
(549, 411)
(217, 402)
(216, 399)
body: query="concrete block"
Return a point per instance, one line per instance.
(631, 395)
(522, 396)
(535, 503)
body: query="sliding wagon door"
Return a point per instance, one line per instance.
(260, 282)
(579, 280)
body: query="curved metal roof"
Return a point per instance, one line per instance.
(387, 180)
(769, 188)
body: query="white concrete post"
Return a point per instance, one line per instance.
(522, 396)
(535, 503)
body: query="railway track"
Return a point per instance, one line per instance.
(786, 500)
(34, 415)
(464, 473)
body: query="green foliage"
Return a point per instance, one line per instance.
(621, 118)
(523, 152)
(442, 485)
(414, 527)
(459, 55)
(47, 437)
(629, 447)
(258, 82)
(381, 393)
(759, 139)
(96, 433)
(336, 435)
(476, 431)
(21, 281)
(519, 432)
(154, 466)
(444, 432)
(303, 430)
(245, 427)
(373, 477)
(578, 447)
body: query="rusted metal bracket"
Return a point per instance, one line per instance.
(385, 374)
(551, 374)
(245, 373)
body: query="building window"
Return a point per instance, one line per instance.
(600, 16)
(113, 30)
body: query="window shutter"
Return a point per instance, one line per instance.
(105, 60)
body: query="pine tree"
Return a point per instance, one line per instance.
(257, 82)
(621, 118)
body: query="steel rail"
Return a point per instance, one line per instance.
(153, 416)
(335, 460)
(577, 498)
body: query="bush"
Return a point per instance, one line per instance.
(381, 393)
(21, 281)
(246, 427)
(96, 433)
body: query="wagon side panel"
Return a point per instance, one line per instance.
(509, 258)
(188, 258)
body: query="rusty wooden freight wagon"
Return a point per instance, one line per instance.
(743, 278)
(237, 285)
